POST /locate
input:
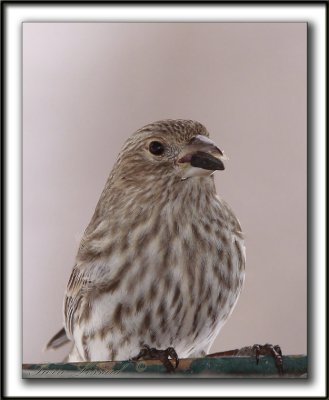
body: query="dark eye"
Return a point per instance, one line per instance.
(156, 148)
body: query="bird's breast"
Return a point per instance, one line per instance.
(172, 277)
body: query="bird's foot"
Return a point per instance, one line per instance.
(255, 351)
(150, 353)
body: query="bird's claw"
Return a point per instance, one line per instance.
(151, 353)
(269, 350)
(170, 351)
(255, 350)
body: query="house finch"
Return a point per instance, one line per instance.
(162, 261)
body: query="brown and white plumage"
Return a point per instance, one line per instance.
(162, 261)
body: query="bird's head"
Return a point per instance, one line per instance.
(177, 148)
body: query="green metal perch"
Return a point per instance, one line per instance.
(294, 366)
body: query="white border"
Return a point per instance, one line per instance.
(16, 14)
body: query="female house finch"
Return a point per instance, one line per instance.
(162, 260)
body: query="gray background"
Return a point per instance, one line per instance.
(87, 87)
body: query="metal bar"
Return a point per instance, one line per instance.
(222, 367)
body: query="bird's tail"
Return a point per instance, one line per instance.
(57, 340)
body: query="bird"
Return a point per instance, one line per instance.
(161, 264)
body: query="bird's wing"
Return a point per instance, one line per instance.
(77, 286)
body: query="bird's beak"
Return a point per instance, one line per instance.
(200, 157)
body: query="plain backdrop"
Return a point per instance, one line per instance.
(88, 86)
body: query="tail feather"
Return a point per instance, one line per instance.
(57, 340)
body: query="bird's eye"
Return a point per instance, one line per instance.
(156, 148)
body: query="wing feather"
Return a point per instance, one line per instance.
(77, 286)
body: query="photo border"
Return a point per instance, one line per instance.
(12, 15)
